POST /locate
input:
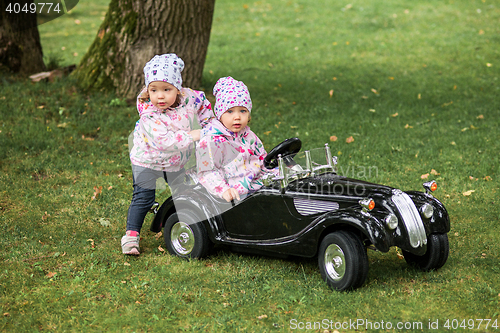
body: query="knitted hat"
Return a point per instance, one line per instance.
(228, 93)
(166, 68)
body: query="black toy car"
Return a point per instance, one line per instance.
(309, 210)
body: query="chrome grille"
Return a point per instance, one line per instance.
(411, 218)
(310, 207)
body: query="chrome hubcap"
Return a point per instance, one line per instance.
(182, 238)
(335, 262)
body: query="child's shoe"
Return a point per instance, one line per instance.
(130, 243)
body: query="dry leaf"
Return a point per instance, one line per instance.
(161, 249)
(50, 275)
(45, 216)
(331, 93)
(349, 139)
(487, 178)
(467, 193)
(159, 235)
(137, 302)
(92, 244)
(480, 117)
(97, 191)
(78, 22)
(374, 91)
(262, 317)
(424, 176)
(125, 264)
(267, 133)
(472, 178)
(488, 64)
(408, 126)
(333, 138)
(395, 115)
(434, 172)
(371, 110)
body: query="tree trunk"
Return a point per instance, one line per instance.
(134, 31)
(20, 48)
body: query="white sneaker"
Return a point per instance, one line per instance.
(130, 245)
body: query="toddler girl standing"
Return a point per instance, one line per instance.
(163, 137)
(229, 155)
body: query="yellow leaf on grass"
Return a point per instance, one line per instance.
(374, 91)
(331, 93)
(434, 172)
(333, 138)
(424, 176)
(395, 115)
(262, 317)
(349, 139)
(267, 133)
(467, 193)
(480, 117)
(408, 126)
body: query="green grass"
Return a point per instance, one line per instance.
(414, 83)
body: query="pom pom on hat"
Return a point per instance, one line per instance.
(166, 68)
(228, 93)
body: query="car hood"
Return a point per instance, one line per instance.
(335, 185)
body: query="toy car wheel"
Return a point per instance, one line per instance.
(343, 261)
(185, 236)
(436, 255)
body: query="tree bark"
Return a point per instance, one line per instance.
(134, 31)
(20, 48)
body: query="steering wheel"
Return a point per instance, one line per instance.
(289, 147)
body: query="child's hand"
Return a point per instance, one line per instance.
(195, 134)
(231, 194)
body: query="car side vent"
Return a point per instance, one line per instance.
(309, 207)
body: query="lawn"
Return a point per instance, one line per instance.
(406, 89)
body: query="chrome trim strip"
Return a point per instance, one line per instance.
(309, 207)
(411, 218)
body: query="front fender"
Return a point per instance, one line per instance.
(440, 221)
(366, 223)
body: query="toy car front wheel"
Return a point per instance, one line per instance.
(436, 255)
(185, 236)
(342, 260)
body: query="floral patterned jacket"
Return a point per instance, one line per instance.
(161, 137)
(225, 159)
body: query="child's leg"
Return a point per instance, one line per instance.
(143, 198)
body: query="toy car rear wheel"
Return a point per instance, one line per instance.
(343, 261)
(185, 236)
(436, 255)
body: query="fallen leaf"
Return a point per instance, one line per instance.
(424, 176)
(395, 115)
(159, 235)
(97, 191)
(6, 314)
(446, 104)
(472, 178)
(434, 172)
(92, 244)
(62, 125)
(371, 110)
(78, 22)
(125, 264)
(262, 317)
(50, 275)
(408, 126)
(333, 138)
(161, 249)
(419, 96)
(481, 32)
(374, 91)
(480, 117)
(109, 188)
(330, 93)
(45, 216)
(137, 302)
(465, 129)
(349, 139)
(487, 178)
(104, 222)
(467, 193)
(453, 143)
(267, 132)
(488, 64)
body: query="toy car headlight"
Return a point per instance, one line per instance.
(367, 204)
(430, 186)
(391, 221)
(427, 210)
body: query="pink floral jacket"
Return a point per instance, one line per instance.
(225, 159)
(161, 137)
